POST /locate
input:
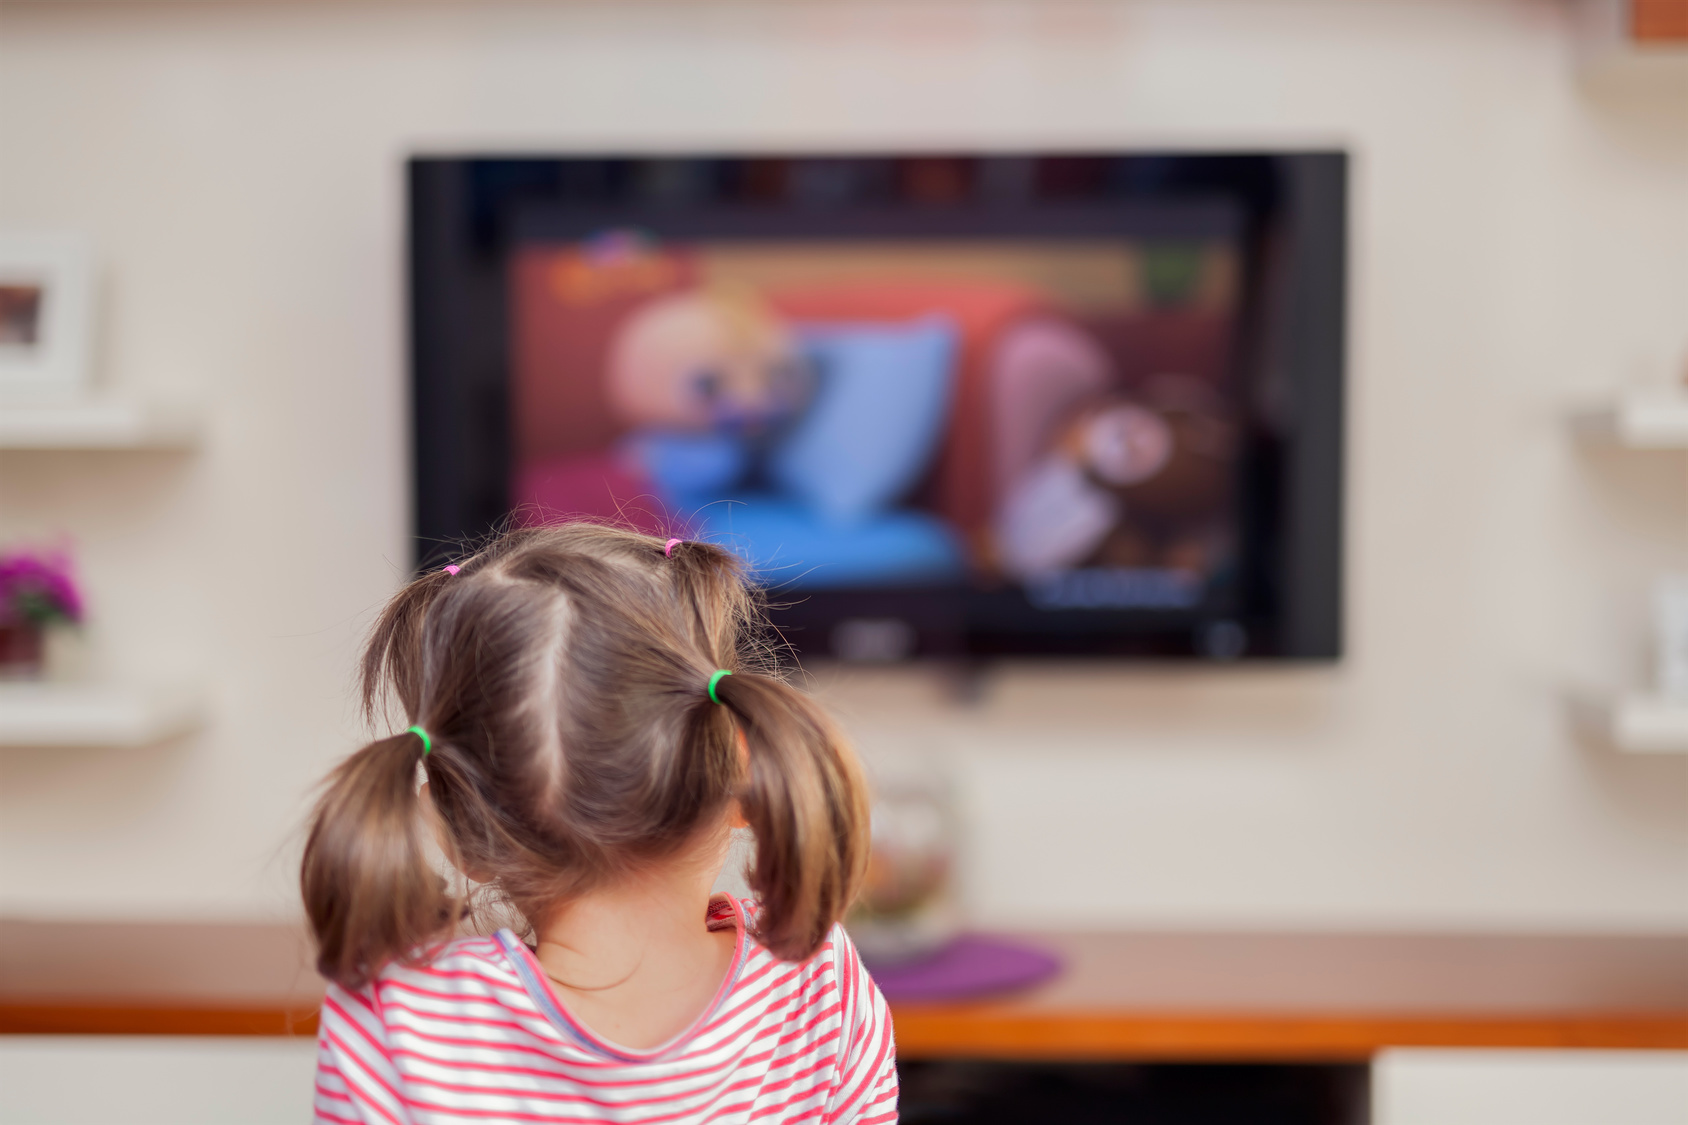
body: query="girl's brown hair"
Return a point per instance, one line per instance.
(562, 674)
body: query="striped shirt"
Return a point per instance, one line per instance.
(478, 1035)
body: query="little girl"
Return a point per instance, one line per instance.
(592, 718)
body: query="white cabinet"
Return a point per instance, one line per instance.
(1488, 1087)
(142, 1079)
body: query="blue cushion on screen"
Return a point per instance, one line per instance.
(686, 466)
(788, 546)
(879, 410)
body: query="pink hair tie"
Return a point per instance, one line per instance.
(668, 550)
(453, 569)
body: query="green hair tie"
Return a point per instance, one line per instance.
(715, 679)
(427, 743)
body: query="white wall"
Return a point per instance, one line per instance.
(1520, 243)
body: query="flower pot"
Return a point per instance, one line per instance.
(22, 651)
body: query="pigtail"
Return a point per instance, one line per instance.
(371, 891)
(806, 802)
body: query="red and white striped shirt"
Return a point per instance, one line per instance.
(478, 1035)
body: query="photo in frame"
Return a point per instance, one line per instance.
(46, 298)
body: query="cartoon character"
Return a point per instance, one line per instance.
(702, 376)
(706, 359)
(1128, 481)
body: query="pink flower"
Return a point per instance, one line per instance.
(38, 587)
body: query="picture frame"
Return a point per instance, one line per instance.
(46, 299)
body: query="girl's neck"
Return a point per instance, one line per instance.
(635, 961)
(607, 935)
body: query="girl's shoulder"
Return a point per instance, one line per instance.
(836, 955)
(461, 969)
(470, 976)
(465, 955)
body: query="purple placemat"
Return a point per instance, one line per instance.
(972, 965)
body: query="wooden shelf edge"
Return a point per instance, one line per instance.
(938, 1033)
(1662, 22)
(49, 1018)
(933, 1033)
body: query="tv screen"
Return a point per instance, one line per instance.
(940, 405)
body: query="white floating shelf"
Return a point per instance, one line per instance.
(41, 714)
(96, 423)
(1651, 418)
(1649, 724)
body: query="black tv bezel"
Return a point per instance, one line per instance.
(465, 211)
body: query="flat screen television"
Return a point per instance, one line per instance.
(946, 405)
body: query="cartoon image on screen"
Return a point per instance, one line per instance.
(1052, 415)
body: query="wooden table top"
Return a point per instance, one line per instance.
(1234, 996)
(1326, 997)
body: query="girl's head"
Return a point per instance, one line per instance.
(562, 675)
